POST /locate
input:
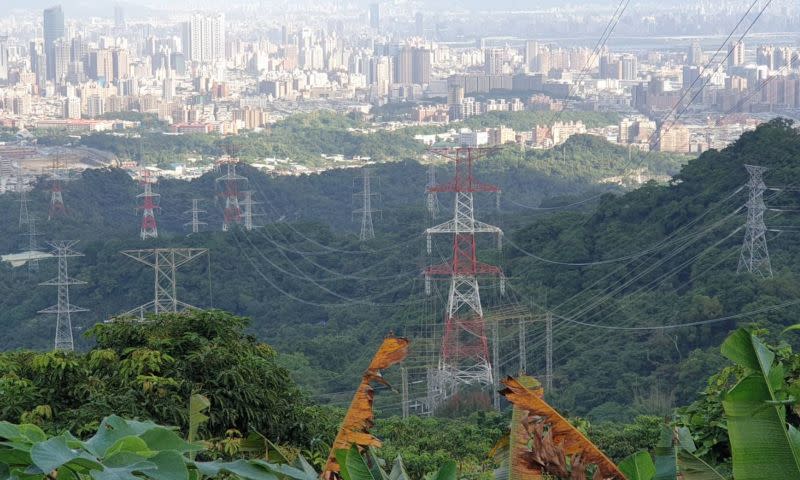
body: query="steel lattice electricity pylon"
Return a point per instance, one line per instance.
(247, 210)
(165, 261)
(63, 308)
(464, 357)
(232, 181)
(58, 174)
(366, 210)
(754, 256)
(432, 200)
(149, 227)
(195, 211)
(23, 198)
(33, 262)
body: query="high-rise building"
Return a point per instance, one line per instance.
(422, 66)
(38, 63)
(79, 50)
(119, 16)
(203, 38)
(381, 73)
(781, 56)
(101, 65)
(403, 66)
(695, 53)
(95, 105)
(765, 56)
(72, 107)
(690, 75)
(375, 15)
(61, 58)
(736, 54)
(628, 65)
(419, 24)
(493, 61)
(3, 59)
(53, 21)
(119, 64)
(531, 51)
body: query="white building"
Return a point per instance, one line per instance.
(468, 138)
(203, 38)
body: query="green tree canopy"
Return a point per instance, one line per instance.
(149, 371)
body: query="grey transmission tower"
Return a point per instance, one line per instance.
(63, 309)
(165, 261)
(366, 210)
(195, 224)
(247, 210)
(33, 260)
(23, 198)
(754, 256)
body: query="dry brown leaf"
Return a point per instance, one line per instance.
(561, 438)
(359, 419)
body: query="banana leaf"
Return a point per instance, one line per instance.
(763, 445)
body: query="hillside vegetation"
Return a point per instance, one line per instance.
(667, 256)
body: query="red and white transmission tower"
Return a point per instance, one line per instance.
(149, 226)
(231, 181)
(56, 198)
(464, 357)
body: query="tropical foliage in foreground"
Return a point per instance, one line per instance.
(132, 450)
(148, 370)
(747, 429)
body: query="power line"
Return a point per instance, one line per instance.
(730, 52)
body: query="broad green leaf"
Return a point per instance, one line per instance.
(241, 468)
(112, 429)
(169, 466)
(448, 471)
(32, 433)
(122, 459)
(20, 474)
(160, 439)
(123, 473)
(15, 456)
(761, 446)
(665, 456)
(398, 470)
(52, 454)
(66, 473)
(302, 464)
(287, 470)
(693, 467)
(9, 431)
(341, 459)
(197, 405)
(357, 468)
(376, 464)
(133, 445)
(638, 466)
(685, 439)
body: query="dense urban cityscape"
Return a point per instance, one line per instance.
(392, 65)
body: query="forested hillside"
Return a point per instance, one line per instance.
(656, 257)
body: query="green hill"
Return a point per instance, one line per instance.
(667, 256)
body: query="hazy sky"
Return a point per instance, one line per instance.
(94, 7)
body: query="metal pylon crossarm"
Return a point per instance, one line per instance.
(165, 262)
